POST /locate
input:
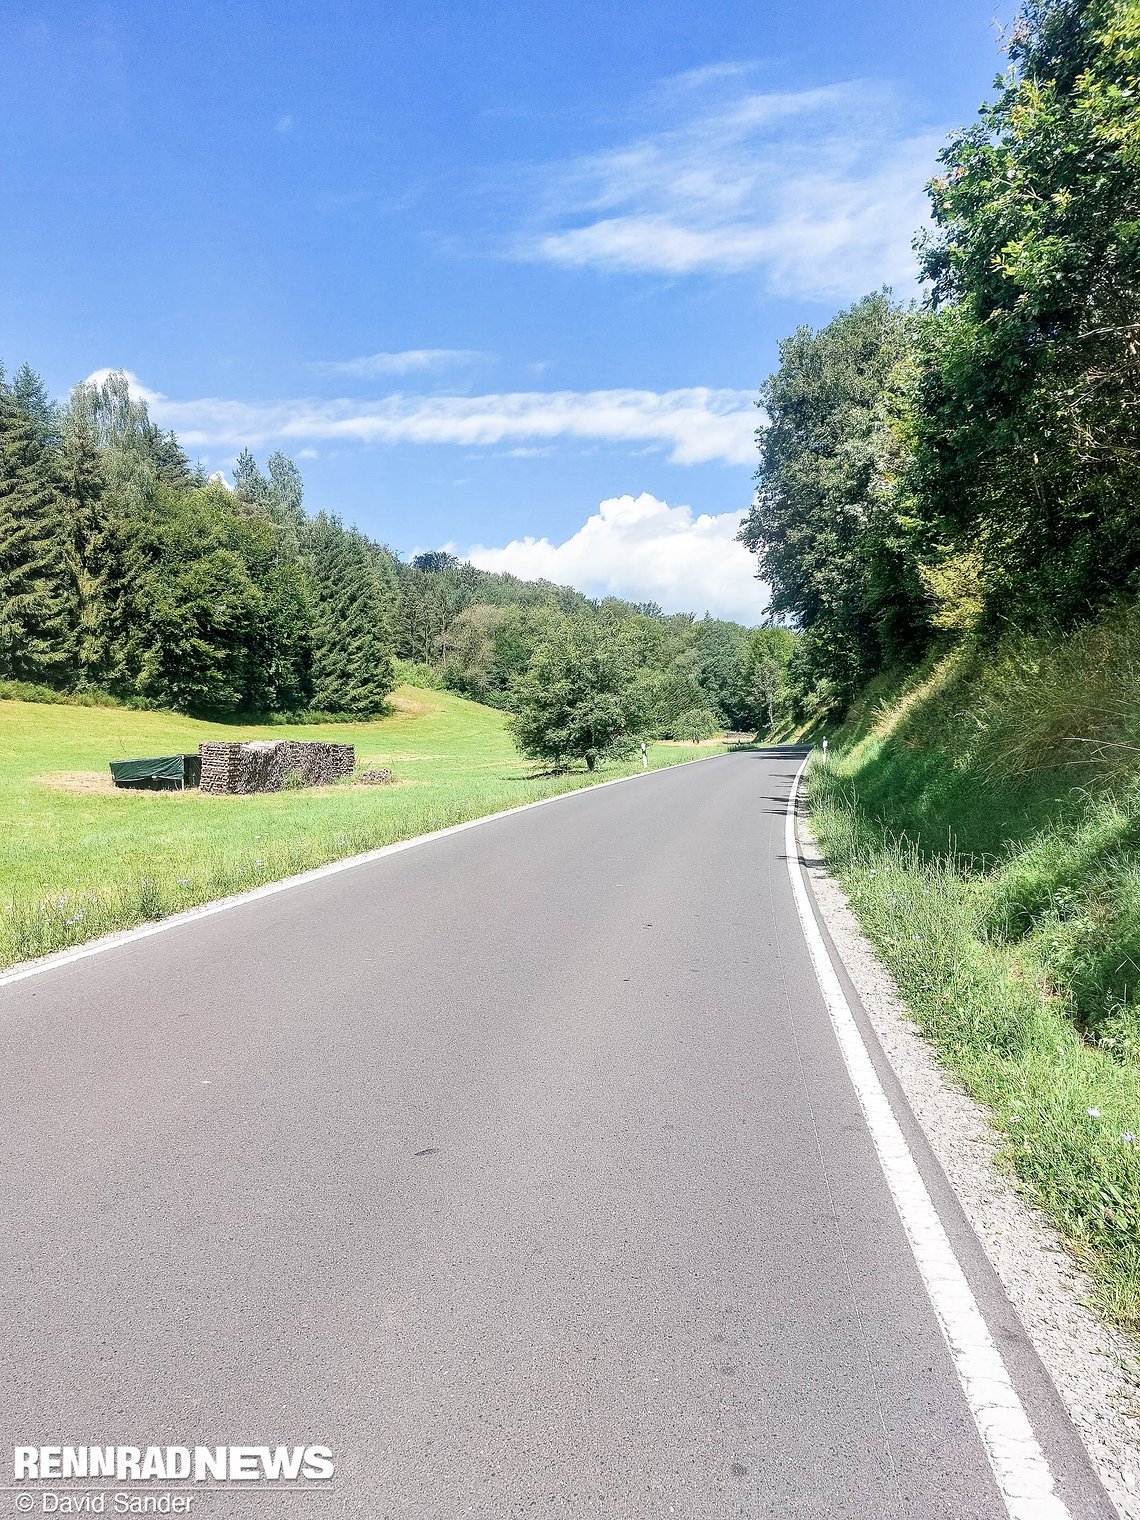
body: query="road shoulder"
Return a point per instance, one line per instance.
(1092, 1367)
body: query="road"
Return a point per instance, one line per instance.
(521, 1168)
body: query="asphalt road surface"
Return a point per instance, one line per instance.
(521, 1169)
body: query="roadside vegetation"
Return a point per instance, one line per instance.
(983, 815)
(947, 511)
(79, 858)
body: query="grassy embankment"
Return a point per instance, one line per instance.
(79, 858)
(984, 816)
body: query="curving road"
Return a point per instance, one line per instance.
(521, 1168)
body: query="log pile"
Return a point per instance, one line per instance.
(268, 765)
(376, 778)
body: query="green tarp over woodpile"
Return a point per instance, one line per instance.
(161, 770)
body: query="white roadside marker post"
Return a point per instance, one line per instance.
(644, 757)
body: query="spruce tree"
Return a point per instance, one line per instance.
(352, 642)
(38, 602)
(251, 489)
(105, 559)
(30, 394)
(171, 465)
(284, 651)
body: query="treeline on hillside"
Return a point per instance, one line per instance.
(691, 677)
(125, 570)
(973, 465)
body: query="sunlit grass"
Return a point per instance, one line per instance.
(79, 858)
(994, 859)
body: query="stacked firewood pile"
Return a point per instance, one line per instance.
(268, 765)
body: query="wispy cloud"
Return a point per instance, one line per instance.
(644, 549)
(819, 190)
(703, 75)
(695, 425)
(410, 360)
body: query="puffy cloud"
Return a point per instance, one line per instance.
(695, 425)
(807, 187)
(643, 549)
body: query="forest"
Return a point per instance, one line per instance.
(126, 572)
(968, 466)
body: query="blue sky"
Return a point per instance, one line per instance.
(502, 277)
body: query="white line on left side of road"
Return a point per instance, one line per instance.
(1019, 1464)
(119, 937)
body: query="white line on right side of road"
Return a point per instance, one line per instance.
(1019, 1464)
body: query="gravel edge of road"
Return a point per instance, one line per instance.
(1086, 1359)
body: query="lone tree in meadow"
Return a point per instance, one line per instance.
(578, 699)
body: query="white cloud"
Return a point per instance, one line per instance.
(811, 188)
(370, 365)
(643, 549)
(284, 125)
(709, 73)
(694, 425)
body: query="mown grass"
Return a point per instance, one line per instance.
(984, 818)
(79, 859)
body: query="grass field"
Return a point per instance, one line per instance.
(984, 818)
(79, 858)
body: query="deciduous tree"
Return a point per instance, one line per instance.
(578, 699)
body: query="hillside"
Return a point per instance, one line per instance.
(80, 858)
(983, 813)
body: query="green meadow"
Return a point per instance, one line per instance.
(79, 858)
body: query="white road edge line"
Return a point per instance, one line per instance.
(1019, 1464)
(112, 941)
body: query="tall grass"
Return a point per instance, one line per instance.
(984, 816)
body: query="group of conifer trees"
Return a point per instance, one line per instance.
(125, 570)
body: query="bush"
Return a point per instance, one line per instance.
(417, 673)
